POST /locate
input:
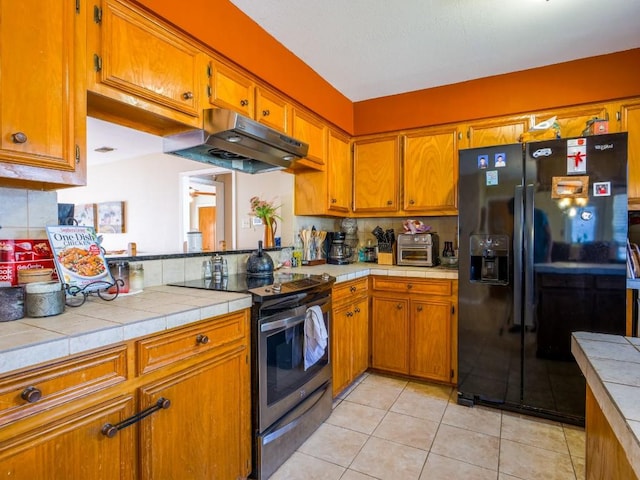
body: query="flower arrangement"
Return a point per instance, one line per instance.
(263, 209)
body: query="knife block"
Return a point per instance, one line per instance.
(387, 257)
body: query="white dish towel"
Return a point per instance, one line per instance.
(315, 336)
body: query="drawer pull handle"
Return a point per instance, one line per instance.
(409, 286)
(352, 289)
(109, 430)
(265, 113)
(349, 314)
(244, 102)
(187, 95)
(357, 310)
(202, 339)
(31, 394)
(19, 137)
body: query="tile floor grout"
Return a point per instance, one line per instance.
(370, 415)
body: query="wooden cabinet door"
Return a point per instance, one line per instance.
(496, 132)
(230, 89)
(142, 58)
(341, 340)
(390, 334)
(272, 110)
(42, 93)
(431, 172)
(360, 338)
(430, 339)
(311, 130)
(572, 120)
(376, 174)
(72, 447)
(339, 175)
(630, 120)
(206, 432)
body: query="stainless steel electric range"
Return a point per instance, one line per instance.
(289, 401)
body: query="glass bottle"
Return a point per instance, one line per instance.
(136, 277)
(448, 249)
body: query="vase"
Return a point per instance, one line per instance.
(270, 227)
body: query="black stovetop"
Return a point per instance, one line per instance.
(278, 283)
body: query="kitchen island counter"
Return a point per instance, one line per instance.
(99, 323)
(611, 365)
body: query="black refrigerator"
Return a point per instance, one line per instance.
(542, 253)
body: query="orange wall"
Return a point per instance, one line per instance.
(228, 31)
(592, 79)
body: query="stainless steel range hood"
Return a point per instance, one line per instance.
(233, 141)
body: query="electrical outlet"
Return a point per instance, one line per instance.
(245, 223)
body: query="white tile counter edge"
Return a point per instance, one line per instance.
(611, 366)
(98, 323)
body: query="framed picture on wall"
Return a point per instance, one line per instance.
(85, 214)
(111, 217)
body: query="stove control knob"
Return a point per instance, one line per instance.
(277, 287)
(325, 276)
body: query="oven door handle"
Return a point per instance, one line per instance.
(283, 323)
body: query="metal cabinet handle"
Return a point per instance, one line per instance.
(109, 430)
(187, 95)
(244, 102)
(202, 339)
(419, 308)
(412, 202)
(389, 202)
(265, 113)
(409, 286)
(19, 137)
(31, 394)
(352, 289)
(333, 200)
(349, 314)
(357, 310)
(399, 306)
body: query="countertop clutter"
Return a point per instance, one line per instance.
(98, 323)
(611, 366)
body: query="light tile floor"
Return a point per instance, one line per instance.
(393, 429)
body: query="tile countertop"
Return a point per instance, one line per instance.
(611, 366)
(97, 323)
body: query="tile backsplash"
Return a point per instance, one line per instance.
(26, 213)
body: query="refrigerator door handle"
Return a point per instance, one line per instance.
(529, 294)
(517, 256)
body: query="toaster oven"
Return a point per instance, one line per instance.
(418, 249)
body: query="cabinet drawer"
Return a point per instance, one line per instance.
(42, 388)
(412, 285)
(349, 290)
(160, 350)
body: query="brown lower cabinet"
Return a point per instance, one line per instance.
(350, 332)
(198, 422)
(414, 326)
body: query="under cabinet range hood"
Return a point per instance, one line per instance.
(233, 141)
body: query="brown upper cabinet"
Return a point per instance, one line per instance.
(376, 174)
(627, 115)
(497, 131)
(42, 94)
(139, 62)
(430, 174)
(228, 88)
(310, 129)
(572, 120)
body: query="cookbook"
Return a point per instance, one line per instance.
(79, 259)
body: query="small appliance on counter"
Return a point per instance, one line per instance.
(339, 252)
(418, 249)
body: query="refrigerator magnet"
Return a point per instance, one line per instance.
(601, 189)
(570, 187)
(492, 177)
(500, 160)
(483, 161)
(576, 155)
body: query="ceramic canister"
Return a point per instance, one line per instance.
(44, 299)
(11, 303)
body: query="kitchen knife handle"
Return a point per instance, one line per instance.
(517, 256)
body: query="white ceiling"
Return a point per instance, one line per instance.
(373, 48)
(126, 142)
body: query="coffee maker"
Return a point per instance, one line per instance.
(339, 252)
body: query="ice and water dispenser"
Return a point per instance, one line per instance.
(489, 259)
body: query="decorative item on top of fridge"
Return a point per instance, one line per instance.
(546, 130)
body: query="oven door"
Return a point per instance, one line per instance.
(418, 256)
(283, 381)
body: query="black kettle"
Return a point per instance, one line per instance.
(259, 264)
